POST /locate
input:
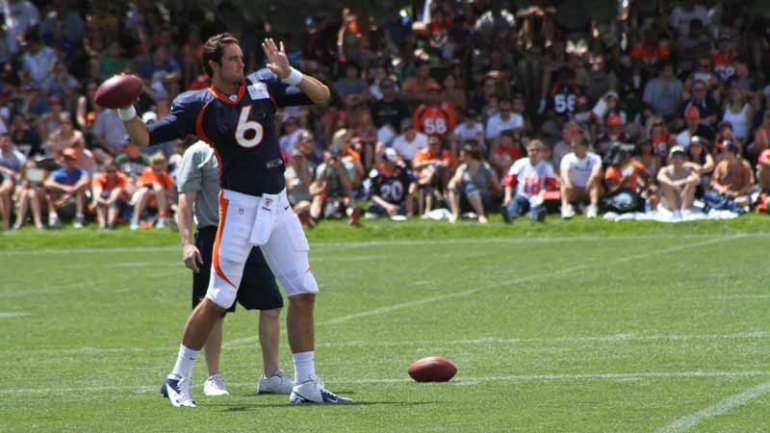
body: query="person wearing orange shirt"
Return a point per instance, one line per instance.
(434, 117)
(628, 183)
(108, 189)
(432, 168)
(154, 182)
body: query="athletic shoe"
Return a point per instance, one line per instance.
(215, 386)
(676, 216)
(313, 391)
(591, 212)
(178, 392)
(53, 220)
(161, 224)
(278, 383)
(78, 224)
(567, 212)
(134, 224)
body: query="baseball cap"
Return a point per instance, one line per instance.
(406, 124)
(696, 140)
(70, 153)
(390, 155)
(296, 152)
(676, 150)
(692, 113)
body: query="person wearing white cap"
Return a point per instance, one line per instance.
(678, 182)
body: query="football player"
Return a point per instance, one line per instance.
(236, 116)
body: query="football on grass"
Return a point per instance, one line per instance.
(432, 369)
(119, 91)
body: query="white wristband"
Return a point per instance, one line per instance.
(294, 77)
(127, 114)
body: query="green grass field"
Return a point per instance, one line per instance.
(579, 326)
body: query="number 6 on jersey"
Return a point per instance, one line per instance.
(242, 132)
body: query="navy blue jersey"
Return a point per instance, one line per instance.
(240, 128)
(392, 187)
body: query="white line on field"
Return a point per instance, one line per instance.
(416, 242)
(686, 423)
(739, 297)
(11, 314)
(615, 338)
(515, 281)
(577, 339)
(459, 380)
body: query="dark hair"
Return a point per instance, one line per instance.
(213, 50)
(472, 148)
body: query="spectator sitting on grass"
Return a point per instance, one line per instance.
(432, 171)
(391, 188)
(30, 194)
(332, 188)
(132, 162)
(531, 177)
(732, 180)
(473, 184)
(581, 173)
(7, 181)
(154, 183)
(700, 158)
(66, 187)
(628, 184)
(763, 178)
(678, 182)
(107, 192)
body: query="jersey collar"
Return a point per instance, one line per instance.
(232, 99)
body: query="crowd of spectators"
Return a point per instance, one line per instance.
(459, 110)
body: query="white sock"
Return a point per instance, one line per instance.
(185, 362)
(304, 366)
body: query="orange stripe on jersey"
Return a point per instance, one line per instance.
(225, 98)
(223, 203)
(199, 125)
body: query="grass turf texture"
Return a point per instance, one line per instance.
(576, 326)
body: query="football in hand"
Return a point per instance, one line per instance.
(432, 369)
(119, 91)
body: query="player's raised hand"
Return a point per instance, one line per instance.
(277, 60)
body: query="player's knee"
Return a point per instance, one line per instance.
(303, 283)
(223, 297)
(302, 301)
(274, 314)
